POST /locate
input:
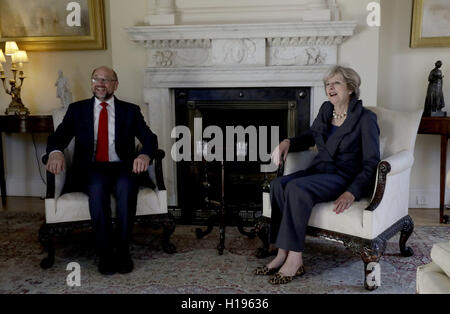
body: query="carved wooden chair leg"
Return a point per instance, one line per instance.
(168, 228)
(262, 229)
(407, 229)
(372, 270)
(240, 225)
(46, 240)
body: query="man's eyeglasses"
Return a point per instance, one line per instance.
(102, 80)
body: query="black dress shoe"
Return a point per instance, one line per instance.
(124, 263)
(106, 265)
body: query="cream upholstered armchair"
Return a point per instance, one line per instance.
(69, 211)
(434, 278)
(369, 223)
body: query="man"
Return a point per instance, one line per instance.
(104, 162)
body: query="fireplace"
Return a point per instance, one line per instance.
(229, 58)
(285, 111)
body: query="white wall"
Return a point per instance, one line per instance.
(361, 51)
(128, 57)
(403, 81)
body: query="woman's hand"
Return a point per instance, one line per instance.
(343, 202)
(281, 151)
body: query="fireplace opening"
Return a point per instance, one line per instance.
(199, 183)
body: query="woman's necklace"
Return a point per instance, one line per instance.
(339, 115)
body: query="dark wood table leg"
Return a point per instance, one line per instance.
(2, 173)
(444, 142)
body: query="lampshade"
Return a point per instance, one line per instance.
(20, 57)
(2, 57)
(11, 48)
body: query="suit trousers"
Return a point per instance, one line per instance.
(104, 179)
(292, 199)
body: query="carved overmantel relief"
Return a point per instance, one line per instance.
(234, 55)
(295, 44)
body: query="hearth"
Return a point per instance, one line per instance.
(198, 181)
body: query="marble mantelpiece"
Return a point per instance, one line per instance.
(232, 55)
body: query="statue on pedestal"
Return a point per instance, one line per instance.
(435, 97)
(63, 90)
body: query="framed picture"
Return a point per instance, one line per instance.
(45, 25)
(430, 23)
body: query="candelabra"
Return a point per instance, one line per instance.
(18, 58)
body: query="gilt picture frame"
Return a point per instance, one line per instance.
(51, 25)
(430, 25)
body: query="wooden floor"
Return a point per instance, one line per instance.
(421, 217)
(427, 216)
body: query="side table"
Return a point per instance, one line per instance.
(439, 126)
(19, 124)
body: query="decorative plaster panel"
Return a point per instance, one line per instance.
(238, 52)
(168, 58)
(313, 55)
(242, 45)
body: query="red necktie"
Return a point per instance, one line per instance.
(102, 154)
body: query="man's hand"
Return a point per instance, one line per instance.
(281, 151)
(141, 163)
(55, 163)
(343, 202)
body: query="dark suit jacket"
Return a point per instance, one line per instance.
(79, 123)
(353, 151)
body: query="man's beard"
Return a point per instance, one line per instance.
(106, 97)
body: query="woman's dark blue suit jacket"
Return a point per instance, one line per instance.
(352, 151)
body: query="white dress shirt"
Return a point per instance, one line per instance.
(111, 127)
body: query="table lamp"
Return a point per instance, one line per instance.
(18, 58)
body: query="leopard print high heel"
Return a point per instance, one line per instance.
(265, 271)
(280, 279)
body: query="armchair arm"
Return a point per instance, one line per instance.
(296, 161)
(155, 170)
(160, 154)
(400, 161)
(50, 179)
(390, 166)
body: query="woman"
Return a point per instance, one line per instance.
(347, 139)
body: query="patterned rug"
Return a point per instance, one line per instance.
(197, 268)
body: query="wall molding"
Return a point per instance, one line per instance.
(240, 11)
